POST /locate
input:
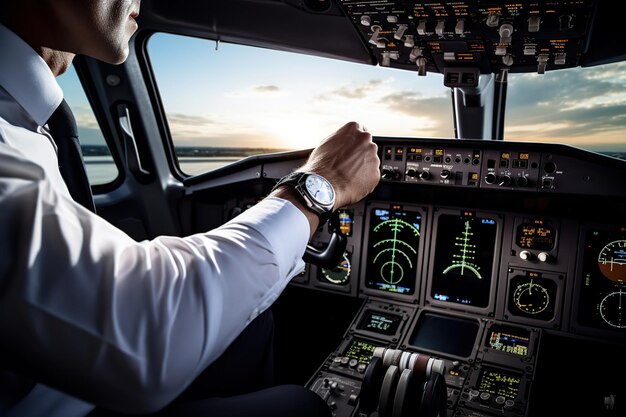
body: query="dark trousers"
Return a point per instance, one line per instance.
(240, 383)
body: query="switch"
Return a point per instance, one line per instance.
(493, 20)
(449, 56)
(542, 62)
(392, 18)
(421, 27)
(415, 53)
(565, 22)
(400, 32)
(374, 38)
(559, 59)
(366, 20)
(506, 32)
(500, 50)
(352, 399)
(409, 41)
(440, 27)
(530, 49)
(421, 66)
(459, 29)
(507, 60)
(533, 23)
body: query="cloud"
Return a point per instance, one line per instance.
(353, 92)
(266, 89)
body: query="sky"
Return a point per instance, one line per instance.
(238, 96)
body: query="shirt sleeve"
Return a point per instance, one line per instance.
(125, 324)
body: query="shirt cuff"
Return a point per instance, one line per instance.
(284, 226)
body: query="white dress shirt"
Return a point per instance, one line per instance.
(96, 314)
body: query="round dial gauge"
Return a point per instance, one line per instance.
(531, 298)
(320, 189)
(340, 274)
(612, 261)
(613, 309)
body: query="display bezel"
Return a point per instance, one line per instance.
(404, 311)
(407, 340)
(576, 326)
(519, 221)
(421, 250)
(429, 299)
(559, 282)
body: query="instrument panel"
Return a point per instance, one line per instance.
(470, 253)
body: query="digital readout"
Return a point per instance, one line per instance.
(536, 236)
(344, 220)
(378, 322)
(509, 340)
(498, 383)
(360, 350)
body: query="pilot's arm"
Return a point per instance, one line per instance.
(128, 325)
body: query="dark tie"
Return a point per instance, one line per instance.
(63, 129)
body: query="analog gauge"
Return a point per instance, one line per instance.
(612, 261)
(533, 296)
(340, 274)
(612, 309)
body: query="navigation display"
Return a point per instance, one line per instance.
(603, 290)
(464, 259)
(393, 244)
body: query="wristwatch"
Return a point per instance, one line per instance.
(316, 191)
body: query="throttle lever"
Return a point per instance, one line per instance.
(329, 256)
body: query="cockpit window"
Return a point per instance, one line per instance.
(99, 163)
(224, 102)
(583, 107)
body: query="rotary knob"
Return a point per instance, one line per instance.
(445, 174)
(504, 181)
(424, 175)
(484, 397)
(526, 255)
(521, 181)
(490, 178)
(387, 173)
(411, 172)
(544, 257)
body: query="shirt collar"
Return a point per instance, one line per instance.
(27, 77)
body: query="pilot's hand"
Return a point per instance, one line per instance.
(349, 160)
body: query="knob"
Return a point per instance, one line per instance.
(500, 400)
(345, 360)
(415, 53)
(490, 178)
(440, 27)
(421, 27)
(409, 41)
(411, 172)
(521, 181)
(353, 363)
(473, 394)
(508, 404)
(445, 174)
(507, 60)
(366, 20)
(504, 181)
(492, 20)
(543, 257)
(424, 175)
(459, 29)
(526, 255)
(387, 173)
(485, 397)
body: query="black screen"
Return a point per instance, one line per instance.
(464, 259)
(393, 244)
(452, 335)
(379, 322)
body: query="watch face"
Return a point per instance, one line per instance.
(320, 189)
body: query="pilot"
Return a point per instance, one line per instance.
(88, 316)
